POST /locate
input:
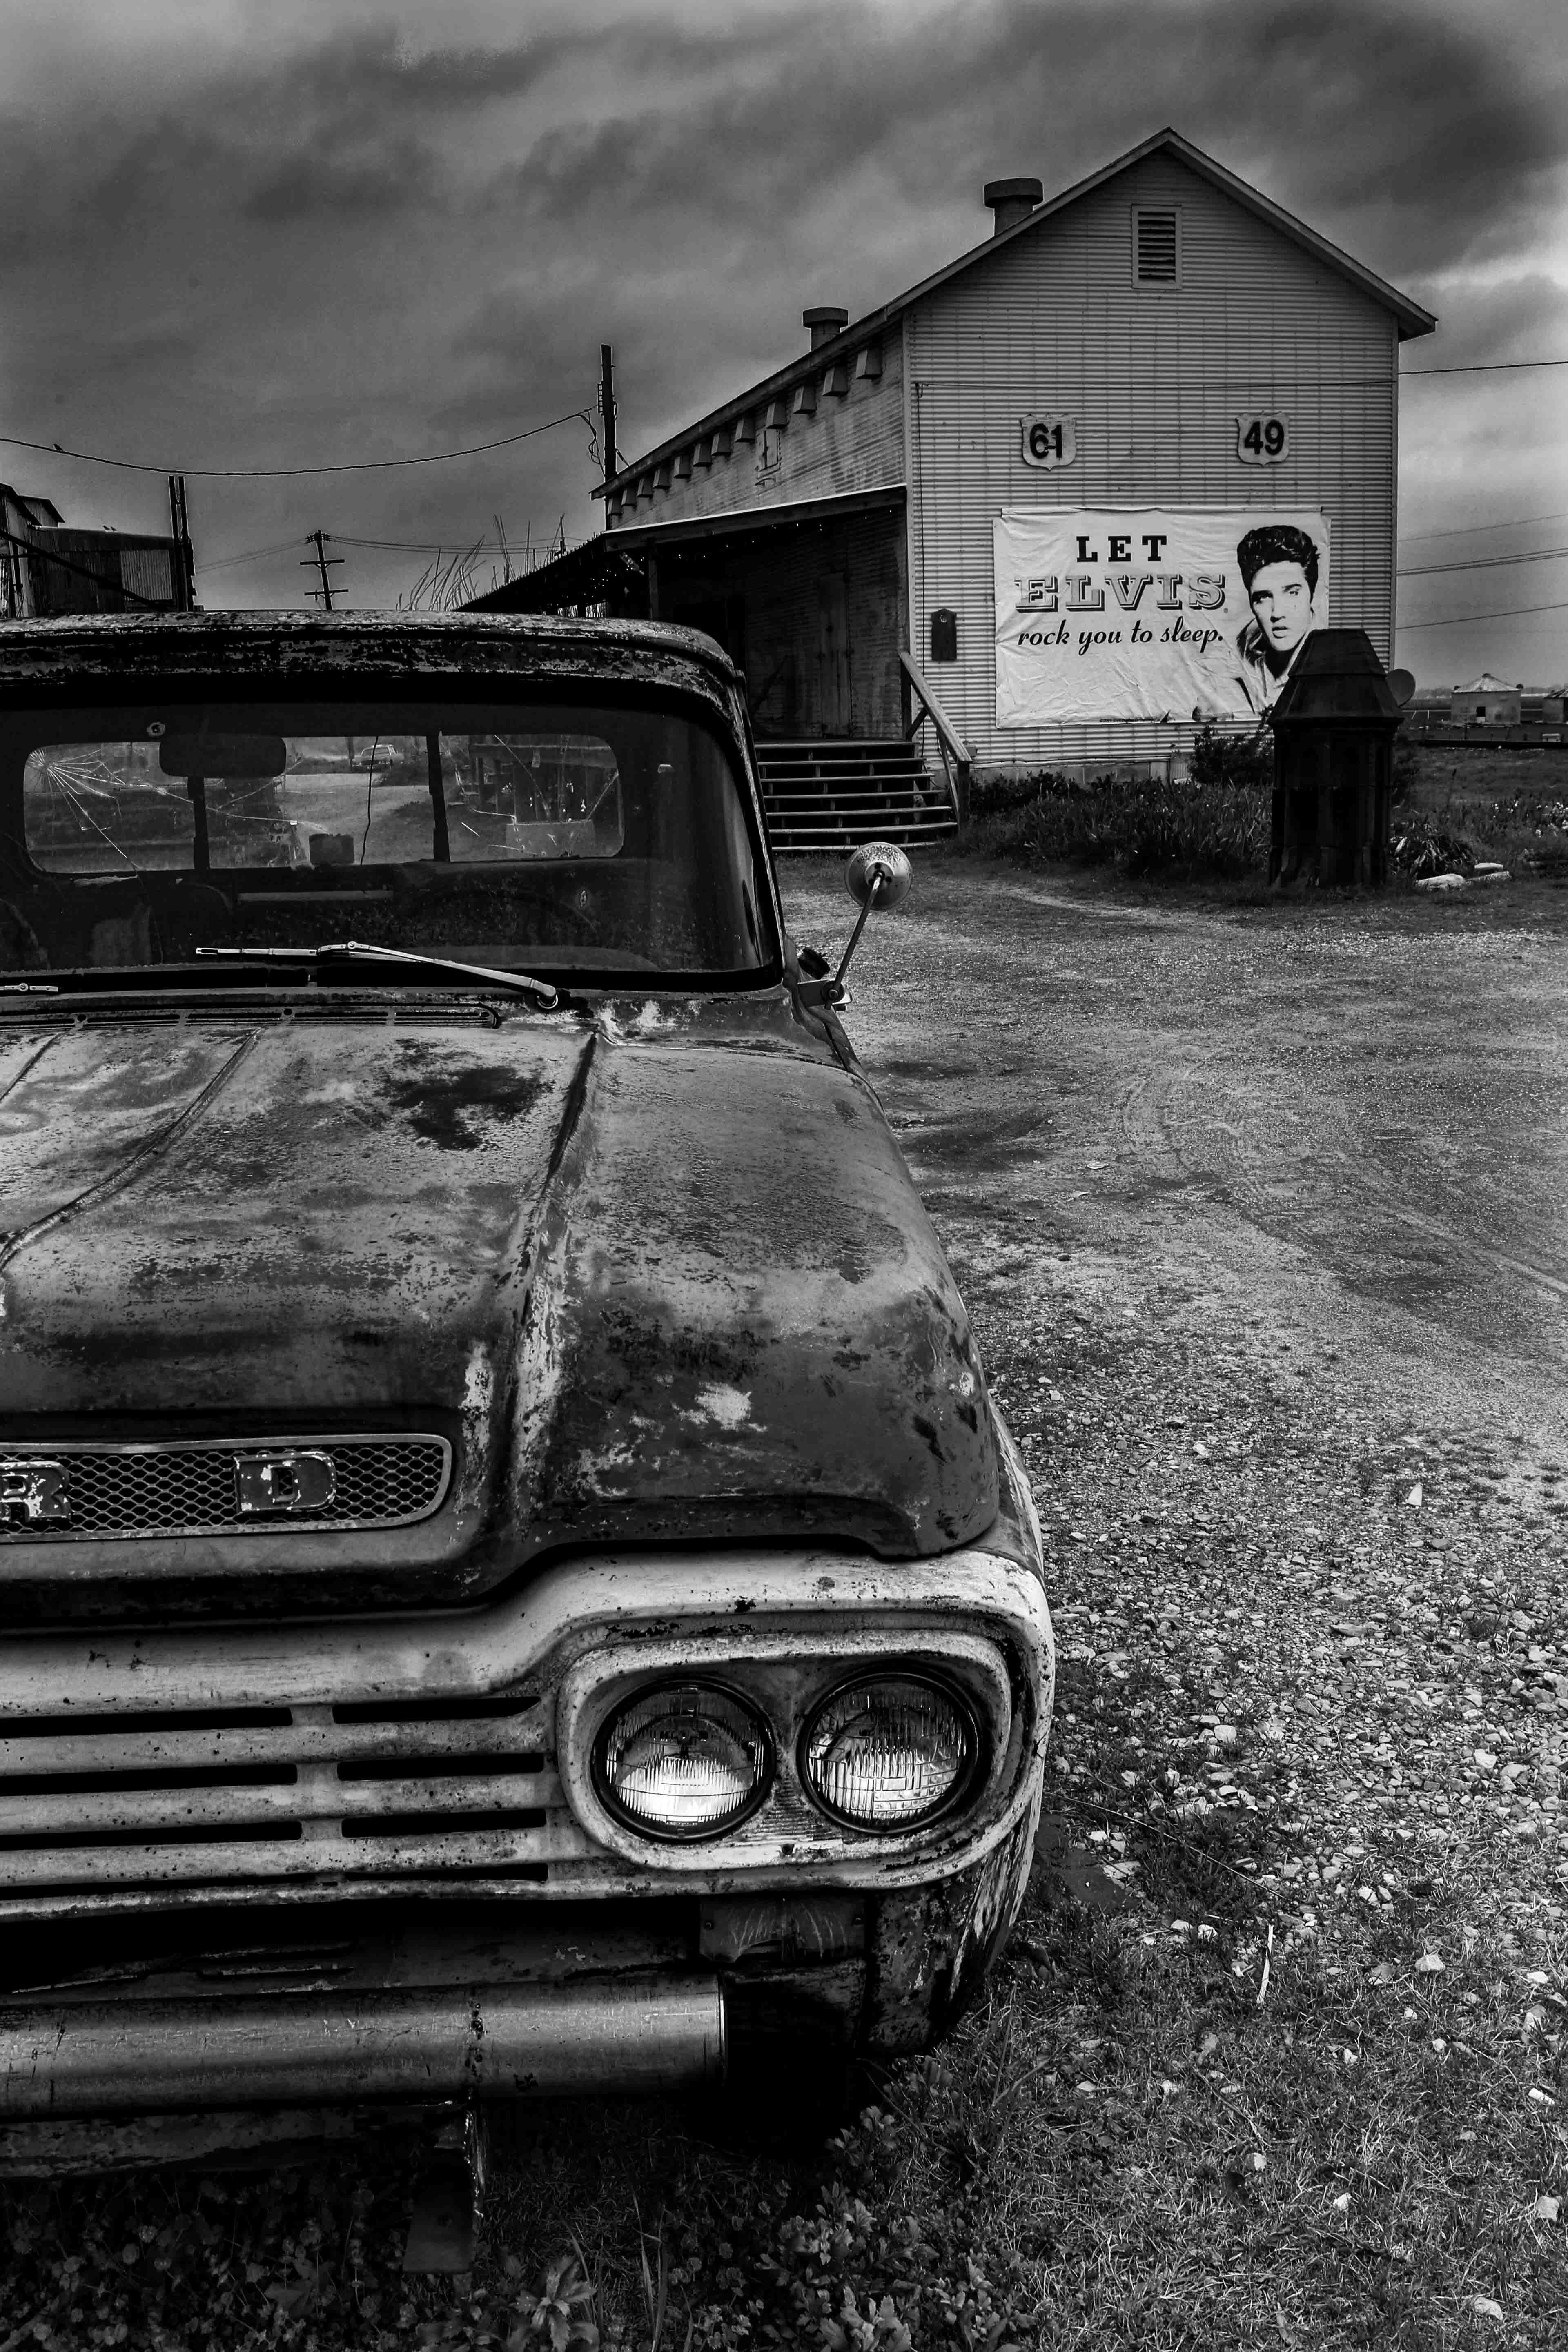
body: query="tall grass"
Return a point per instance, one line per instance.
(1214, 822)
(1197, 828)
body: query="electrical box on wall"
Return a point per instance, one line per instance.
(944, 635)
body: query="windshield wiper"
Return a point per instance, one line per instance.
(356, 951)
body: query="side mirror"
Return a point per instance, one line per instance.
(879, 875)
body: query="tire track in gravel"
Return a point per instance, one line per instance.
(1238, 1141)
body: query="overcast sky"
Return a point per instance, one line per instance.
(249, 233)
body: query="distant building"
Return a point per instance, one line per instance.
(1158, 359)
(1488, 699)
(47, 566)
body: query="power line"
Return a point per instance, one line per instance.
(289, 473)
(509, 440)
(1481, 367)
(458, 544)
(1509, 612)
(1469, 530)
(1483, 562)
(250, 555)
(346, 539)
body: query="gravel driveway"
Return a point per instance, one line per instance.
(1260, 1213)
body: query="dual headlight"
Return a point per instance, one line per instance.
(690, 1759)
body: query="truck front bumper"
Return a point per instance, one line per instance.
(626, 2034)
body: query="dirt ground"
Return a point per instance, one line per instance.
(1307, 1160)
(1330, 1136)
(1259, 1211)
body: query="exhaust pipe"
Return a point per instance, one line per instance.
(519, 2041)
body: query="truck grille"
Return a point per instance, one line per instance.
(221, 1795)
(193, 1489)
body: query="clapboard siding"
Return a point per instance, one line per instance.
(1155, 379)
(855, 441)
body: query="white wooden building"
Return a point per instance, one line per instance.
(834, 524)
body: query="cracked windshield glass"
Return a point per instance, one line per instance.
(582, 841)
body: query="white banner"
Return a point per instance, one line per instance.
(1172, 612)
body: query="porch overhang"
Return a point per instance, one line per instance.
(733, 519)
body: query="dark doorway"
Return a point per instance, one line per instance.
(722, 617)
(813, 611)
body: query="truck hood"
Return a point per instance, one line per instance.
(659, 1274)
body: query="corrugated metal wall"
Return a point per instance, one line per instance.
(855, 441)
(99, 571)
(1155, 378)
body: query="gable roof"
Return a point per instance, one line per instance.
(1411, 318)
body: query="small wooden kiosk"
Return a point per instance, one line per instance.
(1334, 725)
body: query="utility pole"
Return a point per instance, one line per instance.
(179, 531)
(321, 560)
(607, 406)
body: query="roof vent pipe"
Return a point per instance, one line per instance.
(1012, 201)
(823, 324)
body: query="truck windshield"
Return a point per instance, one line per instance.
(586, 842)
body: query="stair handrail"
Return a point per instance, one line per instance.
(951, 743)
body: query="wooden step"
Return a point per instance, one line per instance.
(834, 793)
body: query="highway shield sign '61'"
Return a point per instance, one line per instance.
(1049, 441)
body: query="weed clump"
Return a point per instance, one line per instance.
(1235, 759)
(1420, 844)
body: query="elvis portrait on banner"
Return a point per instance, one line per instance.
(1164, 613)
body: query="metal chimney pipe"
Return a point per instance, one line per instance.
(1012, 201)
(824, 323)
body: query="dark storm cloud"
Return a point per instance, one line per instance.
(323, 246)
(348, 115)
(1363, 111)
(303, 187)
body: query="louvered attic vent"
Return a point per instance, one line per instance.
(1154, 248)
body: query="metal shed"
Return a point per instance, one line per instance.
(1489, 699)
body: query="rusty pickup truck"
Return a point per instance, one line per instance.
(512, 1581)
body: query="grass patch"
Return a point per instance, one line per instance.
(1214, 823)
(1449, 814)
(1123, 2149)
(1187, 830)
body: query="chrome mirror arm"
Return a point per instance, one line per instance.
(873, 898)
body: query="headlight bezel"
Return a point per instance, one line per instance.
(661, 1833)
(783, 1666)
(893, 1673)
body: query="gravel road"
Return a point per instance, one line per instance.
(1259, 1212)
